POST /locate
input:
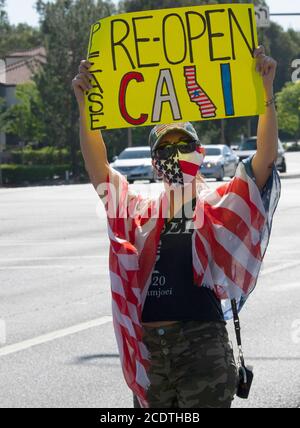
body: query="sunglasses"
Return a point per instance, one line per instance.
(166, 151)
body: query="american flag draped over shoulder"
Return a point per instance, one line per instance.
(232, 231)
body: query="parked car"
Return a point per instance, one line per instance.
(249, 147)
(220, 161)
(135, 164)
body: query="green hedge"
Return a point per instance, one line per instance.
(294, 148)
(20, 174)
(44, 156)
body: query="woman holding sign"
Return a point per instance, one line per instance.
(177, 262)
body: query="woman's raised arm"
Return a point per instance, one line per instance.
(267, 131)
(92, 145)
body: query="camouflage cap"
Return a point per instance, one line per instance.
(159, 131)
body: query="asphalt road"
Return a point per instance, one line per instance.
(60, 349)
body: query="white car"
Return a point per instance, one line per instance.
(220, 162)
(249, 148)
(135, 163)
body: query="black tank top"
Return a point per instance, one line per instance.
(172, 295)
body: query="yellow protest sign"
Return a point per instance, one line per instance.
(183, 64)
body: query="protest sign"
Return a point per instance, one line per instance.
(183, 64)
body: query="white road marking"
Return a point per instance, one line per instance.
(45, 338)
(26, 259)
(278, 268)
(273, 254)
(267, 271)
(11, 349)
(4, 243)
(287, 286)
(293, 180)
(66, 266)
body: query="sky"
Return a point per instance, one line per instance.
(23, 11)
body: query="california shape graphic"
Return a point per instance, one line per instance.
(197, 94)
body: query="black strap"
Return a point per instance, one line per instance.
(237, 327)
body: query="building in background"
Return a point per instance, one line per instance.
(19, 68)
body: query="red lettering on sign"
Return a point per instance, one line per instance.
(122, 98)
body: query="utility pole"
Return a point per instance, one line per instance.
(129, 137)
(249, 128)
(263, 15)
(285, 14)
(223, 139)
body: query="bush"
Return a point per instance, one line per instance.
(44, 156)
(292, 148)
(22, 174)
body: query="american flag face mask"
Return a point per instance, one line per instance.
(181, 168)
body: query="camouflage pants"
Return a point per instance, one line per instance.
(192, 366)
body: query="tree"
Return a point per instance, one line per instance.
(3, 14)
(23, 119)
(283, 46)
(3, 23)
(288, 106)
(65, 26)
(19, 37)
(135, 5)
(16, 37)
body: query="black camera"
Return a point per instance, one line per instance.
(246, 378)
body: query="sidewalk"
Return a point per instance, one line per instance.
(293, 165)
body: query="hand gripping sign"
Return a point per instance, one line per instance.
(183, 64)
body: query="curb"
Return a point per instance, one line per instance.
(289, 176)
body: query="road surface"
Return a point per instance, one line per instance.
(60, 349)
